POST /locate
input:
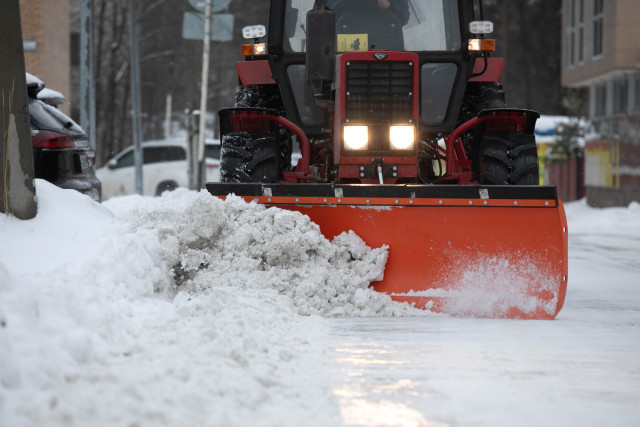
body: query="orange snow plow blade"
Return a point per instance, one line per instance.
(482, 251)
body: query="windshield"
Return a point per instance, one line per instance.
(410, 25)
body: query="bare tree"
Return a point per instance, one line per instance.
(528, 36)
(167, 62)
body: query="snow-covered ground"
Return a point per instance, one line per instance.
(94, 331)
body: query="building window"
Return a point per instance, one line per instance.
(600, 100)
(580, 31)
(620, 92)
(571, 32)
(598, 27)
(75, 49)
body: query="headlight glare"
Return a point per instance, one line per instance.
(482, 45)
(401, 137)
(356, 137)
(260, 48)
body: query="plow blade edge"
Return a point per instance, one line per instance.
(484, 251)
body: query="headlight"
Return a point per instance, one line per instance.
(482, 45)
(356, 137)
(401, 137)
(253, 49)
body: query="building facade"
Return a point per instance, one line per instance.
(601, 53)
(45, 34)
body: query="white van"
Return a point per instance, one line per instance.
(165, 168)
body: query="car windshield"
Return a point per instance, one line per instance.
(160, 154)
(409, 25)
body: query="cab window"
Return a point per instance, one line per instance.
(431, 25)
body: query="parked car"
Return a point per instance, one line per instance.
(61, 151)
(165, 168)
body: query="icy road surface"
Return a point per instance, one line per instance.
(582, 369)
(94, 330)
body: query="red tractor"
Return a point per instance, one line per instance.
(405, 139)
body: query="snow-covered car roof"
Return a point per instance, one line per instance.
(33, 80)
(34, 85)
(51, 96)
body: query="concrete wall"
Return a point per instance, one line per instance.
(604, 197)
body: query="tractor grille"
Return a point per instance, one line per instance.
(380, 91)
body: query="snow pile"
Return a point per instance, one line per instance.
(583, 218)
(210, 243)
(186, 310)
(109, 294)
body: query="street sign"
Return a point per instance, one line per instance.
(221, 26)
(216, 5)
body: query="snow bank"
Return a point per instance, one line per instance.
(210, 243)
(96, 301)
(186, 310)
(583, 218)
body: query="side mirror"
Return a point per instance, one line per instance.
(321, 49)
(112, 164)
(292, 20)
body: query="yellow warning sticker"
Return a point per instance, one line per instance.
(353, 42)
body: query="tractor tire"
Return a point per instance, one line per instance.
(507, 158)
(249, 157)
(268, 96)
(478, 96)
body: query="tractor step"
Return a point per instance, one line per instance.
(472, 250)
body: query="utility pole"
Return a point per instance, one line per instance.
(87, 87)
(169, 101)
(17, 188)
(204, 89)
(135, 97)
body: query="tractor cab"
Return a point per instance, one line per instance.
(306, 40)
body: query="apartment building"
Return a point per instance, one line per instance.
(601, 53)
(45, 35)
